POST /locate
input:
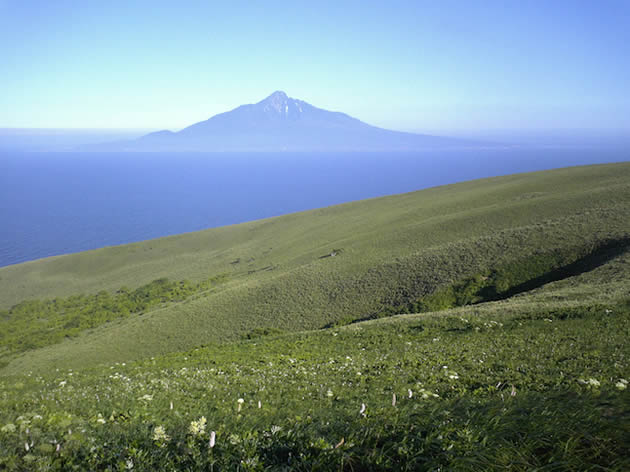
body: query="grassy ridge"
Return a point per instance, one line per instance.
(381, 228)
(393, 250)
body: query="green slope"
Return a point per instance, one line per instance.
(395, 251)
(537, 382)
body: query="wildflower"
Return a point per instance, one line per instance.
(159, 435)
(146, 397)
(410, 393)
(622, 384)
(8, 428)
(329, 393)
(26, 446)
(213, 437)
(240, 402)
(259, 404)
(198, 428)
(394, 399)
(593, 382)
(63, 383)
(129, 464)
(513, 392)
(100, 419)
(275, 429)
(171, 405)
(363, 408)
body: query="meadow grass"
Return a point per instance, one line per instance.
(475, 388)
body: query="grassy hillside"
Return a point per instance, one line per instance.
(430, 249)
(522, 384)
(272, 346)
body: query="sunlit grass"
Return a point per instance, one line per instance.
(474, 392)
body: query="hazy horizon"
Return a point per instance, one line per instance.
(56, 139)
(409, 66)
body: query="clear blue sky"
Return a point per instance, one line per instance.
(409, 65)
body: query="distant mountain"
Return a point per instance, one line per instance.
(281, 123)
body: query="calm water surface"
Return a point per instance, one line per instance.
(57, 203)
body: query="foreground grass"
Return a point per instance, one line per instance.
(487, 388)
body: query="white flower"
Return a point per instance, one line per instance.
(410, 393)
(593, 382)
(394, 399)
(213, 437)
(8, 428)
(63, 383)
(159, 434)
(329, 393)
(198, 428)
(240, 402)
(275, 429)
(622, 384)
(129, 464)
(363, 408)
(146, 397)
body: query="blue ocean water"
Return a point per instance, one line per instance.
(62, 202)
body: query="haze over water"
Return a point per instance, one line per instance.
(58, 203)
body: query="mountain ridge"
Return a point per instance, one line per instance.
(282, 123)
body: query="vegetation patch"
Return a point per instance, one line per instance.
(36, 323)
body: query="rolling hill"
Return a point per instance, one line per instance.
(413, 252)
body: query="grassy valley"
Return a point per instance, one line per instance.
(475, 326)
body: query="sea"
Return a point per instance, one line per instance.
(55, 203)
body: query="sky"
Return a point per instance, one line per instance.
(407, 65)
